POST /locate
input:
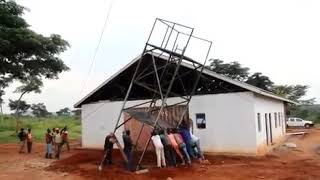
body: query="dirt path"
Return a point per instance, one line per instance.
(283, 163)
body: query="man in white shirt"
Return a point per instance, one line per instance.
(58, 142)
(159, 149)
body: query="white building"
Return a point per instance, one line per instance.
(229, 117)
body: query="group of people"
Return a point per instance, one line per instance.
(55, 139)
(25, 138)
(172, 145)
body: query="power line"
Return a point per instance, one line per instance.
(97, 47)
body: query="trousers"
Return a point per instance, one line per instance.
(185, 152)
(160, 157)
(170, 155)
(176, 148)
(29, 146)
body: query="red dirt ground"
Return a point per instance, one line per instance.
(282, 163)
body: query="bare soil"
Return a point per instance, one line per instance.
(302, 162)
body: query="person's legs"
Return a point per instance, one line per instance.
(129, 156)
(109, 156)
(167, 154)
(163, 159)
(22, 144)
(68, 146)
(199, 149)
(58, 150)
(172, 155)
(158, 154)
(49, 150)
(189, 149)
(29, 146)
(184, 149)
(176, 148)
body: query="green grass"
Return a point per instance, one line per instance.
(38, 126)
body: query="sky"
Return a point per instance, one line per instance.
(279, 38)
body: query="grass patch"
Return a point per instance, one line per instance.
(39, 127)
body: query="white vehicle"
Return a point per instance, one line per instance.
(298, 122)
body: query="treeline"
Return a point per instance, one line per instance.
(294, 92)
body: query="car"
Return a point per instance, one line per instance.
(298, 122)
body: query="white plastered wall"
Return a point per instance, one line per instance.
(267, 105)
(230, 124)
(229, 118)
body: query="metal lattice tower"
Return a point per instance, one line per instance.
(171, 45)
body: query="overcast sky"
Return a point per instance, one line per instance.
(280, 38)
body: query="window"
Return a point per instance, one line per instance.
(298, 120)
(279, 119)
(201, 120)
(291, 119)
(259, 121)
(275, 120)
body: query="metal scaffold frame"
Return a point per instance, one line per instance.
(161, 88)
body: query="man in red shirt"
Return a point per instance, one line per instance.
(65, 137)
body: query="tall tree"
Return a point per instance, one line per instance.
(20, 107)
(233, 70)
(260, 81)
(39, 110)
(29, 84)
(23, 52)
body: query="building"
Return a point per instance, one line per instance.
(229, 116)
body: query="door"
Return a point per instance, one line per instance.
(291, 122)
(267, 129)
(299, 122)
(270, 128)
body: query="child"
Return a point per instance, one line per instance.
(29, 141)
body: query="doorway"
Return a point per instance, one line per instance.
(267, 129)
(270, 127)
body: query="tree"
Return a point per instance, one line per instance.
(260, 81)
(23, 52)
(20, 107)
(39, 110)
(233, 70)
(1, 101)
(293, 92)
(30, 84)
(64, 112)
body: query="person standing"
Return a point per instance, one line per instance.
(49, 141)
(65, 137)
(108, 147)
(58, 143)
(161, 161)
(29, 140)
(168, 149)
(22, 137)
(175, 145)
(128, 148)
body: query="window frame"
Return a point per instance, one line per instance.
(203, 123)
(259, 121)
(275, 120)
